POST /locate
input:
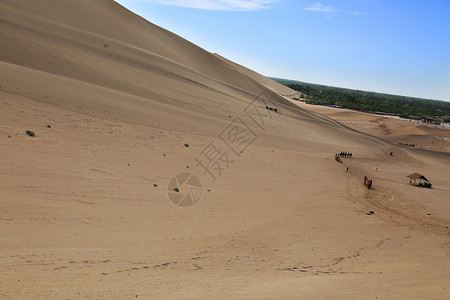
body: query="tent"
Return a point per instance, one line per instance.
(420, 177)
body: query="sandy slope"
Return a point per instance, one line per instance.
(80, 216)
(421, 135)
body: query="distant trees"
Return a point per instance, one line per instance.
(369, 101)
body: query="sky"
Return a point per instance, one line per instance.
(398, 47)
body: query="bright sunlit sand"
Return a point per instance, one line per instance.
(119, 107)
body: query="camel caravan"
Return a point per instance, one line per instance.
(407, 145)
(272, 109)
(338, 156)
(346, 154)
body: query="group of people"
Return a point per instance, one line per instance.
(346, 154)
(367, 182)
(337, 157)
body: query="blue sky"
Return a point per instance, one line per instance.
(391, 46)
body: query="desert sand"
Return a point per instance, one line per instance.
(120, 106)
(395, 130)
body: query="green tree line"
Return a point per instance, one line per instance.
(368, 101)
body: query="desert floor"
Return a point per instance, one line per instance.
(80, 217)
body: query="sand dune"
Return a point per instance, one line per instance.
(395, 130)
(113, 99)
